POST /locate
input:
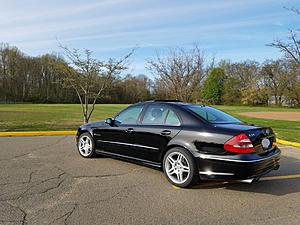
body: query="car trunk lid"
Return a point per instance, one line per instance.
(262, 138)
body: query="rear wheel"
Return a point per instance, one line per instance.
(180, 168)
(86, 146)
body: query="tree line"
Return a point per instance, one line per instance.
(45, 79)
(181, 74)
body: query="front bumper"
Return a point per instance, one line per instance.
(237, 167)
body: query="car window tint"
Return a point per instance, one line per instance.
(155, 115)
(200, 112)
(212, 115)
(129, 116)
(172, 119)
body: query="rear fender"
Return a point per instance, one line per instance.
(178, 143)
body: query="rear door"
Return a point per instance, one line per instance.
(158, 126)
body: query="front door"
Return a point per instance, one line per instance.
(119, 138)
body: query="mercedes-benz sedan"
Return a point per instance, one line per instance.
(189, 142)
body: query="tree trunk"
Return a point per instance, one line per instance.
(85, 120)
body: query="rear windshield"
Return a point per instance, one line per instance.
(212, 115)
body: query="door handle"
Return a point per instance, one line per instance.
(129, 130)
(165, 132)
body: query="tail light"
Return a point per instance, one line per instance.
(239, 144)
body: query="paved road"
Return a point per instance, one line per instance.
(43, 180)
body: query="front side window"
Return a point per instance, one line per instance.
(160, 115)
(129, 116)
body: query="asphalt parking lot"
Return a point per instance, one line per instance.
(43, 180)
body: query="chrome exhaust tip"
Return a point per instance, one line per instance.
(248, 181)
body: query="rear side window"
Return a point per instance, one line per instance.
(172, 119)
(212, 115)
(129, 115)
(160, 115)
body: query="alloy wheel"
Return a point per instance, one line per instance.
(177, 167)
(85, 146)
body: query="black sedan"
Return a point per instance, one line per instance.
(189, 142)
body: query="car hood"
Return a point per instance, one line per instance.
(94, 125)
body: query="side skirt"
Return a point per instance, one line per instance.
(129, 158)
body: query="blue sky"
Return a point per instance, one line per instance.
(229, 29)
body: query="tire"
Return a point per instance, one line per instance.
(180, 168)
(86, 146)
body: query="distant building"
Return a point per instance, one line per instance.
(285, 101)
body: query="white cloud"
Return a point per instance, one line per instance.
(111, 26)
(40, 22)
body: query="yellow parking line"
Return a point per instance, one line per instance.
(218, 184)
(292, 176)
(175, 187)
(37, 133)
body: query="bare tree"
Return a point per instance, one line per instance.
(276, 75)
(292, 47)
(246, 72)
(180, 72)
(89, 77)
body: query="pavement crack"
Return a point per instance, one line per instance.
(24, 222)
(23, 182)
(100, 176)
(70, 214)
(113, 196)
(67, 215)
(108, 175)
(24, 193)
(10, 221)
(44, 181)
(30, 176)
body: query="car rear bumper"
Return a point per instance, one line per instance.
(237, 166)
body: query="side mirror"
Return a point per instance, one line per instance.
(109, 121)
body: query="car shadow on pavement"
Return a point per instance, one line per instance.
(284, 181)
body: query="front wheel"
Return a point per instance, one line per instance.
(86, 146)
(180, 168)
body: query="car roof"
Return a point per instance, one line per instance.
(169, 102)
(175, 102)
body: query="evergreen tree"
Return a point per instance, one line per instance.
(213, 86)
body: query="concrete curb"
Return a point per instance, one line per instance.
(37, 133)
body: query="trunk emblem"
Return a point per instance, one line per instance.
(252, 135)
(265, 143)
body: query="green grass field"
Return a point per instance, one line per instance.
(15, 117)
(26, 117)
